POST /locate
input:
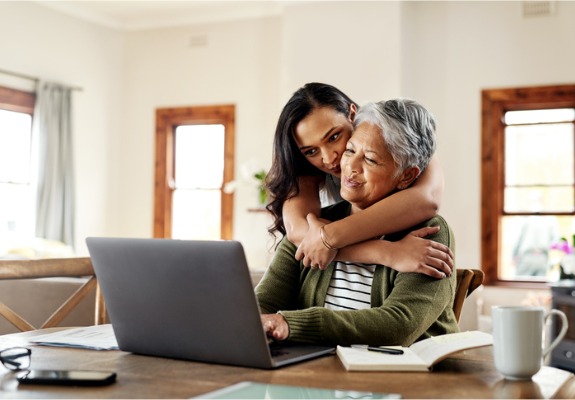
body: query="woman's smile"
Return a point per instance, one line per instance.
(350, 183)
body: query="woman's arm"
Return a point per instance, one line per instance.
(413, 253)
(395, 213)
(279, 287)
(406, 307)
(296, 208)
(411, 310)
(414, 305)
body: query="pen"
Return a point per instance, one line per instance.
(385, 350)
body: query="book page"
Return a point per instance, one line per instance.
(437, 348)
(357, 359)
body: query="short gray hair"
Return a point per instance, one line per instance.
(407, 127)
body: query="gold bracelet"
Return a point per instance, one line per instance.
(323, 239)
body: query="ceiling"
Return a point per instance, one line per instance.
(144, 14)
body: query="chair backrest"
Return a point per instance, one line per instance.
(50, 268)
(467, 281)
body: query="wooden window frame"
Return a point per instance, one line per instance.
(495, 102)
(17, 100)
(167, 119)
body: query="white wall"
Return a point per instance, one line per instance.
(440, 53)
(354, 46)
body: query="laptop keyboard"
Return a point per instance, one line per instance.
(279, 353)
(277, 350)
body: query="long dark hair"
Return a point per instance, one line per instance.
(288, 163)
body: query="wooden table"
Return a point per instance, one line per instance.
(468, 374)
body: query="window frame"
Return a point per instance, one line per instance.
(20, 101)
(167, 119)
(495, 102)
(17, 100)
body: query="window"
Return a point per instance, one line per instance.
(527, 183)
(17, 192)
(194, 159)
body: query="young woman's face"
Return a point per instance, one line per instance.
(322, 136)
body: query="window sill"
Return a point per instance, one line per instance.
(519, 284)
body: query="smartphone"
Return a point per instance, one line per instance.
(68, 378)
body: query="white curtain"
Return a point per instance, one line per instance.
(55, 205)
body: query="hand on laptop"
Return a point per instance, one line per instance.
(275, 326)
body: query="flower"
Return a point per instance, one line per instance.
(563, 246)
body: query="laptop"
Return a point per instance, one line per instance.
(187, 299)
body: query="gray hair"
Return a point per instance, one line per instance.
(407, 127)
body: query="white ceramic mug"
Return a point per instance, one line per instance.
(518, 339)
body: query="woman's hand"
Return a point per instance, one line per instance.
(312, 251)
(275, 326)
(413, 253)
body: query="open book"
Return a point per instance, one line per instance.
(420, 356)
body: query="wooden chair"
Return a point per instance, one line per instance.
(49, 268)
(467, 281)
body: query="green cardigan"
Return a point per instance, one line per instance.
(405, 307)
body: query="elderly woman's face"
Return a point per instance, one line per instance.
(368, 172)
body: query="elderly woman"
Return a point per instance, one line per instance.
(348, 303)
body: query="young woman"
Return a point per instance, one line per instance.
(312, 131)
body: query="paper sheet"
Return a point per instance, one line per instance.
(98, 337)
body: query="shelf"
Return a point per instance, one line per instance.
(258, 210)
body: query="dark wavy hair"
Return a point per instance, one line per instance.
(288, 163)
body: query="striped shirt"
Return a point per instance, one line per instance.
(350, 287)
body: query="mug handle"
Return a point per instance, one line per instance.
(564, 325)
